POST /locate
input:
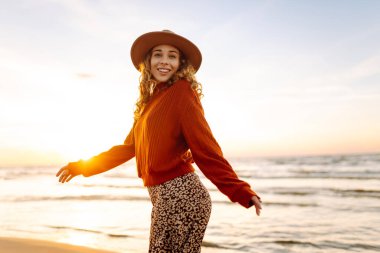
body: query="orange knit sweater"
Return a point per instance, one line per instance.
(172, 123)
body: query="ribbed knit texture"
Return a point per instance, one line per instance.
(172, 123)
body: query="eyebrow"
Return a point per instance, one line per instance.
(170, 51)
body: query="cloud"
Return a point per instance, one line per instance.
(84, 75)
(365, 68)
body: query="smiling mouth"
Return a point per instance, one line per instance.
(163, 70)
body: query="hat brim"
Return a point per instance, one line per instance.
(147, 41)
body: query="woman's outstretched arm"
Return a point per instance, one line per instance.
(98, 164)
(208, 155)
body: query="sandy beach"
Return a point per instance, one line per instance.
(21, 245)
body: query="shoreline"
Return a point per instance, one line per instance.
(26, 245)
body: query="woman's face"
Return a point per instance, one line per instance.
(164, 62)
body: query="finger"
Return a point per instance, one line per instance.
(63, 177)
(60, 171)
(69, 178)
(257, 204)
(258, 210)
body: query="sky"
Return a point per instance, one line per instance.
(279, 77)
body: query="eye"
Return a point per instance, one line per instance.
(157, 55)
(172, 56)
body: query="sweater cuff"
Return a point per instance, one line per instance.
(244, 197)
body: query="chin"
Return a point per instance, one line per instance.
(163, 80)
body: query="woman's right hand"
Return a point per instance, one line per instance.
(257, 203)
(68, 172)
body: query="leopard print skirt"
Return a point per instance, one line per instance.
(181, 211)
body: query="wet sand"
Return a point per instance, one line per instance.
(18, 245)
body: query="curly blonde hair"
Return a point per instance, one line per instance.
(148, 84)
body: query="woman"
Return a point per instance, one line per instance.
(169, 133)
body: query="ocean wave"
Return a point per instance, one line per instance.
(295, 192)
(299, 204)
(348, 246)
(328, 245)
(302, 193)
(271, 203)
(133, 198)
(317, 167)
(328, 191)
(89, 231)
(7, 174)
(79, 198)
(295, 242)
(363, 176)
(358, 193)
(336, 160)
(212, 245)
(114, 186)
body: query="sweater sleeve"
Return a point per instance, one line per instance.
(208, 155)
(107, 160)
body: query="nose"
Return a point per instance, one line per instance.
(164, 60)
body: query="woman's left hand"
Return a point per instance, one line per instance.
(257, 203)
(68, 172)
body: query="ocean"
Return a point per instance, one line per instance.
(310, 204)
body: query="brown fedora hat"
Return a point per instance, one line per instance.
(147, 41)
